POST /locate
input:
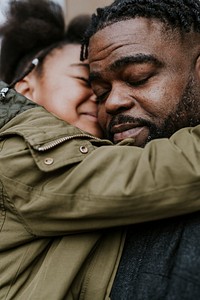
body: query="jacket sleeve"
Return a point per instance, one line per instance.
(65, 190)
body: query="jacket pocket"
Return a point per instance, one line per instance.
(62, 155)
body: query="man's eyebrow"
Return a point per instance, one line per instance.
(135, 59)
(94, 76)
(125, 61)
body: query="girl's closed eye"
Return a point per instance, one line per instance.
(85, 80)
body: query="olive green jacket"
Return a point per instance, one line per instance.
(64, 196)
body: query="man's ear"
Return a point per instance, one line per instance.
(197, 67)
(26, 87)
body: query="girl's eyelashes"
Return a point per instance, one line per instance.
(85, 80)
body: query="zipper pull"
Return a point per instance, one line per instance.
(3, 92)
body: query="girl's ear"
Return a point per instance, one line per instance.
(26, 86)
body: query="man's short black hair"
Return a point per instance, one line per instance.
(178, 14)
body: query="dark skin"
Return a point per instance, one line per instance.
(146, 79)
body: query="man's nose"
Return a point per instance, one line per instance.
(118, 101)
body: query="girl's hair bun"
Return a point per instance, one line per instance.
(29, 27)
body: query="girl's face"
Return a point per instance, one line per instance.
(64, 90)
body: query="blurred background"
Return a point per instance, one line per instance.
(74, 7)
(71, 7)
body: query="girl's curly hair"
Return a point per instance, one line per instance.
(33, 28)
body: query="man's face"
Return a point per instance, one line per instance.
(145, 79)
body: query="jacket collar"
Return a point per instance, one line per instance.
(12, 104)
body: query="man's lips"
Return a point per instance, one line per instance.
(129, 130)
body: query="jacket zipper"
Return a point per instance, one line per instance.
(59, 141)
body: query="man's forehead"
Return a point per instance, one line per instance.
(129, 37)
(127, 31)
(127, 25)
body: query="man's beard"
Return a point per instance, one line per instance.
(185, 114)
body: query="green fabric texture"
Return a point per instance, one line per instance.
(63, 210)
